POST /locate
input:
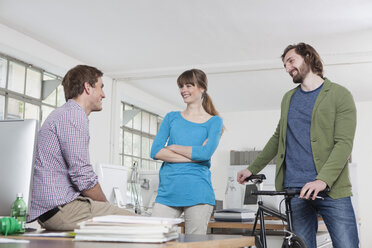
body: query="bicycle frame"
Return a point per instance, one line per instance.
(263, 209)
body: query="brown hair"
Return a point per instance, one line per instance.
(197, 77)
(73, 81)
(309, 54)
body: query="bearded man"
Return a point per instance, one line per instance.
(313, 142)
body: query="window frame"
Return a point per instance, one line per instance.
(23, 97)
(142, 134)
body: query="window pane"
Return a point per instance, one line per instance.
(136, 145)
(16, 80)
(160, 120)
(152, 166)
(2, 107)
(15, 109)
(2, 72)
(45, 111)
(145, 147)
(145, 165)
(121, 113)
(137, 121)
(51, 99)
(145, 122)
(128, 107)
(153, 124)
(129, 123)
(60, 96)
(121, 141)
(47, 76)
(33, 83)
(32, 111)
(151, 141)
(128, 161)
(127, 143)
(121, 159)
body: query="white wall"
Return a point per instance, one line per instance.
(252, 129)
(362, 156)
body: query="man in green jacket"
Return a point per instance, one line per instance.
(313, 141)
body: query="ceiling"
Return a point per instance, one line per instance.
(238, 44)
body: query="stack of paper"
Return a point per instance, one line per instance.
(121, 228)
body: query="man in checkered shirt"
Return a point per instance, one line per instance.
(65, 188)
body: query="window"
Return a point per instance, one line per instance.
(137, 132)
(21, 91)
(3, 66)
(2, 106)
(16, 78)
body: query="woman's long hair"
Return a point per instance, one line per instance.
(198, 78)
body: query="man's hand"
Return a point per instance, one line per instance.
(312, 187)
(242, 175)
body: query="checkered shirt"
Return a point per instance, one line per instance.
(62, 166)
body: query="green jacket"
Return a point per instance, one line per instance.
(332, 132)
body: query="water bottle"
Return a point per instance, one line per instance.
(18, 211)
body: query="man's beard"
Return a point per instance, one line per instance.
(301, 73)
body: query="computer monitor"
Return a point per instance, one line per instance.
(17, 154)
(113, 181)
(149, 182)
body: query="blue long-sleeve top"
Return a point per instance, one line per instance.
(187, 184)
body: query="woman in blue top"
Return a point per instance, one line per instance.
(186, 142)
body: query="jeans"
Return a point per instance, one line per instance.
(338, 215)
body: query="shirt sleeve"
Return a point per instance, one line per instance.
(161, 138)
(203, 153)
(74, 138)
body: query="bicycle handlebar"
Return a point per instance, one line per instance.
(273, 192)
(259, 179)
(289, 192)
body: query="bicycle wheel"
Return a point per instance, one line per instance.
(296, 242)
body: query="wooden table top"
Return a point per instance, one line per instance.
(184, 241)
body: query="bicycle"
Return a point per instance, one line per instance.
(290, 239)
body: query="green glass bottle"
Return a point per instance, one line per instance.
(18, 211)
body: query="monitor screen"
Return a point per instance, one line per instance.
(17, 154)
(113, 181)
